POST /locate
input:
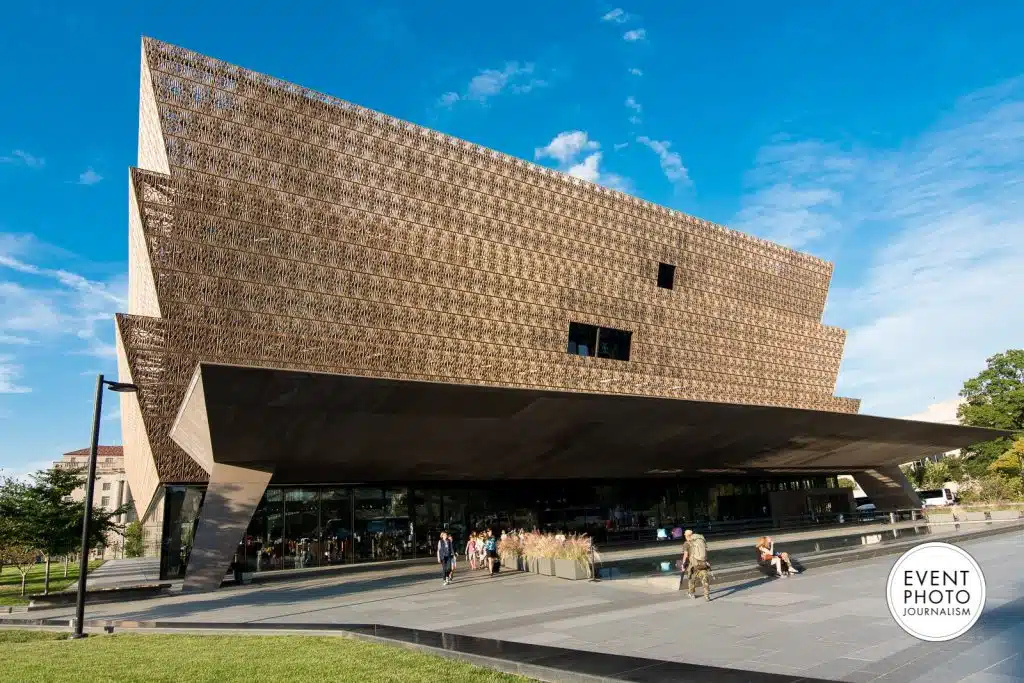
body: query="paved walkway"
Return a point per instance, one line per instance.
(126, 572)
(830, 623)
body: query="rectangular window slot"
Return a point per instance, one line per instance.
(666, 275)
(603, 342)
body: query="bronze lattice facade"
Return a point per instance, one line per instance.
(272, 226)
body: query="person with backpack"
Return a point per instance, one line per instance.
(695, 560)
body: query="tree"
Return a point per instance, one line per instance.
(23, 557)
(936, 474)
(993, 399)
(47, 519)
(134, 541)
(914, 474)
(847, 484)
(1007, 465)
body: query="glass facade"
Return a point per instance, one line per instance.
(315, 525)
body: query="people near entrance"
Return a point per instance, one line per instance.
(767, 556)
(491, 549)
(445, 553)
(695, 563)
(471, 552)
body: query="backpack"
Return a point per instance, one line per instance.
(698, 550)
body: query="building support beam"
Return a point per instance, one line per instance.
(888, 489)
(231, 498)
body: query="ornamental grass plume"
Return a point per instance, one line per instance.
(510, 546)
(538, 546)
(575, 548)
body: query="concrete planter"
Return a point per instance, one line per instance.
(571, 569)
(546, 566)
(510, 562)
(532, 565)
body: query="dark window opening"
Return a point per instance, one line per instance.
(582, 339)
(603, 342)
(613, 343)
(666, 275)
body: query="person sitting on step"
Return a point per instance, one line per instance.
(780, 561)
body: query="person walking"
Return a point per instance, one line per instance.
(444, 558)
(695, 560)
(491, 548)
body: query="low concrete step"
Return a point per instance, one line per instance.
(735, 573)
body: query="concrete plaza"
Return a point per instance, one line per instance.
(829, 623)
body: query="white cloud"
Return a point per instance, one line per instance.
(577, 156)
(89, 177)
(514, 78)
(566, 146)
(617, 15)
(52, 305)
(20, 157)
(932, 234)
(9, 374)
(633, 104)
(636, 72)
(620, 145)
(634, 35)
(671, 162)
(943, 412)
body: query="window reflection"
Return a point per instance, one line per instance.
(309, 526)
(302, 528)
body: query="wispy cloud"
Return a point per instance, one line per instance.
(10, 372)
(938, 222)
(635, 107)
(636, 72)
(671, 163)
(39, 304)
(20, 157)
(796, 189)
(579, 156)
(617, 15)
(89, 177)
(513, 78)
(635, 35)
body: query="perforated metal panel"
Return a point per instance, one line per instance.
(298, 231)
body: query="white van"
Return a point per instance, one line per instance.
(936, 497)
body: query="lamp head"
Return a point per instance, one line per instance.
(122, 387)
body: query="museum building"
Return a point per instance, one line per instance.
(349, 332)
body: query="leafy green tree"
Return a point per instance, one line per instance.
(134, 541)
(1006, 465)
(914, 474)
(45, 517)
(936, 474)
(994, 399)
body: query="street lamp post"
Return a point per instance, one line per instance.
(89, 486)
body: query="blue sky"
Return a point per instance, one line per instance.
(887, 137)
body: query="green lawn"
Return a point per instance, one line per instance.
(10, 581)
(48, 656)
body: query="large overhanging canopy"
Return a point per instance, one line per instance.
(334, 428)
